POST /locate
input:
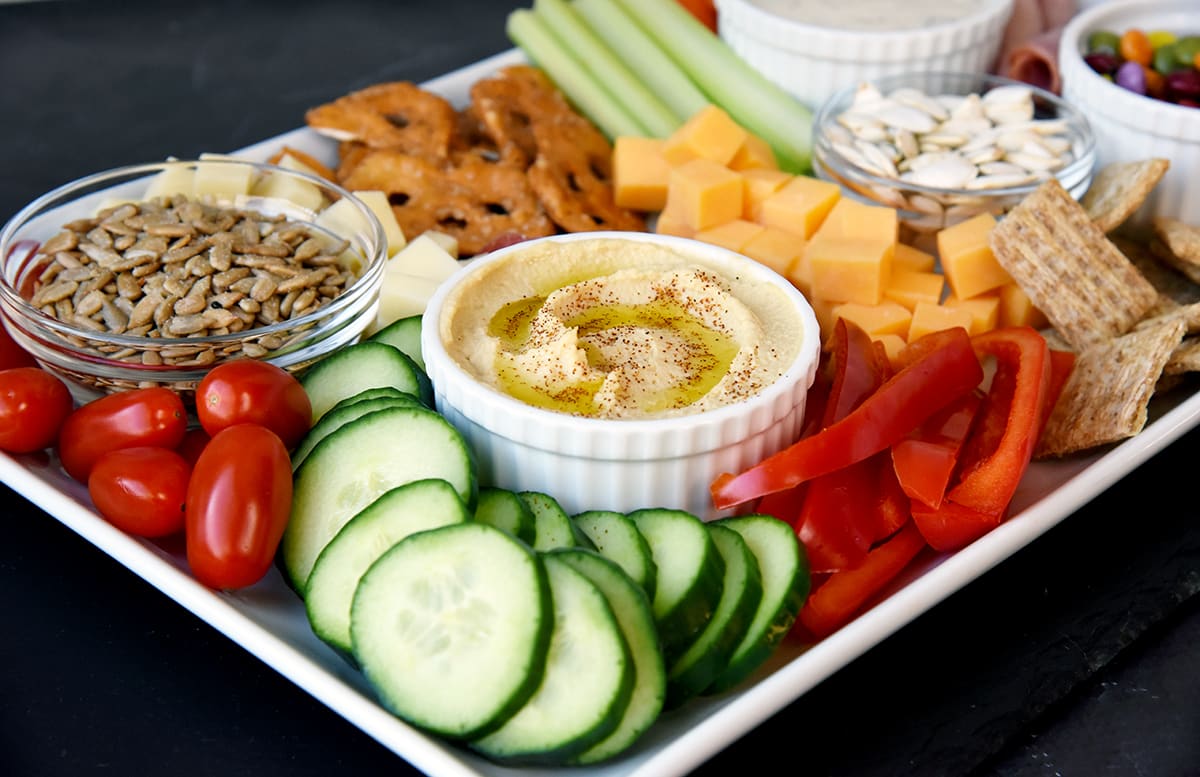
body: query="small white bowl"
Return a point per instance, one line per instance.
(813, 61)
(1129, 126)
(618, 464)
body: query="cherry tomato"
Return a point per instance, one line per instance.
(255, 392)
(238, 502)
(126, 419)
(141, 490)
(194, 441)
(33, 405)
(11, 354)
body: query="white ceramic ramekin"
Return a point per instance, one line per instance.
(623, 465)
(812, 62)
(1129, 126)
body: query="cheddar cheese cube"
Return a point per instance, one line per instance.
(754, 153)
(669, 222)
(705, 193)
(927, 318)
(640, 173)
(780, 250)
(853, 219)
(984, 310)
(709, 134)
(886, 318)
(800, 205)
(849, 269)
(966, 256)
(892, 346)
(759, 184)
(908, 287)
(910, 258)
(733, 234)
(1017, 309)
(823, 309)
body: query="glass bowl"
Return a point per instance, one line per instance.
(950, 193)
(101, 343)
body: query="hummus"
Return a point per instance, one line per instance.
(615, 328)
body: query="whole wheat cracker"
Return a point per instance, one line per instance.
(1119, 189)
(1181, 239)
(1107, 395)
(1088, 289)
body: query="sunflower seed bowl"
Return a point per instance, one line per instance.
(941, 147)
(149, 275)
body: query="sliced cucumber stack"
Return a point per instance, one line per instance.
(617, 537)
(345, 411)
(785, 581)
(356, 464)
(632, 609)
(506, 510)
(552, 527)
(366, 364)
(452, 628)
(708, 656)
(405, 334)
(689, 575)
(405, 510)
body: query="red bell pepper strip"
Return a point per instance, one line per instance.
(923, 462)
(836, 600)
(943, 369)
(952, 526)
(894, 508)
(838, 520)
(857, 372)
(1061, 365)
(1001, 444)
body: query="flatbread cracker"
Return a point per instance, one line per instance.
(1182, 240)
(1088, 290)
(1119, 189)
(1169, 281)
(1106, 397)
(1188, 314)
(1185, 358)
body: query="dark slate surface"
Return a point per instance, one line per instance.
(1075, 657)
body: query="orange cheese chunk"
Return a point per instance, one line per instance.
(909, 258)
(848, 269)
(705, 193)
(984, 310)
(857, 220)
(928, 318)
(754, 154)
(967, 260)
(759, 184)
(800, 205)
(823, 309)
(709, 134)
(892, 346)
(669, 222)
(886, 318)
(778, 249)
(733, 234)
(640, 173)
(908, 287)
(1017, 309)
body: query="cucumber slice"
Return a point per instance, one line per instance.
(354, 465)
(785, 579)
(366, 364)
(631, 606)
(452, 628)
(404, 334)
(346, 411)
(552, 527)
(616, 536)
(689, 574)
(405, 510)
(708, 656)
(587, 682)
(505, 510)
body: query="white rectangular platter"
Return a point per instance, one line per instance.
(268, 620)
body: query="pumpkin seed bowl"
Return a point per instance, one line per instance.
(941, 147)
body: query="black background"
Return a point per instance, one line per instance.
(1077, 656)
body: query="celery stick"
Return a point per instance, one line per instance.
(530, 34)
(643, 56)
(757, 103)
(606, 69)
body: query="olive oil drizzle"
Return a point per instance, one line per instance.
(702, 354)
